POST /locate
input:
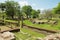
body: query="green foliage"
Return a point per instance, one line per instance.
(56, 10)
(12, 8)
(44, 26)
(35, 13)
(48, 14)
(2, 6)
(27, 10)
(38, 11)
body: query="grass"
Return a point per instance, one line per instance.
(11, 21)
(3, 28)
(29, 31)
(45, 26)
(32, 34)
(20, 36)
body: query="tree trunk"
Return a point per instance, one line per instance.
(22, 22)
(12, 17)
(27, 17)
(18, 23)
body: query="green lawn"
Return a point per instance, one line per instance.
(45, 26)
(29, 31)
(30, 34)
(20, 36)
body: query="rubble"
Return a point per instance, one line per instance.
(53, 37)
(7, 36)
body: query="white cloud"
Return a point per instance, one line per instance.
(2, 1)
(22, 3)
(25, 2)
(41, 8)
(33, 4)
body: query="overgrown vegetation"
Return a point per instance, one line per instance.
(10, 11)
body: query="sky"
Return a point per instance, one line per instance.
(38, 4)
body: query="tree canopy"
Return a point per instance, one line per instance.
(56, 10)
(35, 13)
(11, 8)
(27, 10)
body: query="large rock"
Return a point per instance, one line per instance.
(53, 37)
(7, 36)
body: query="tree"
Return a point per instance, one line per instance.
(48, 14)
(19, 15)
(2, 9)
(2, 6)
(11, 8)
(35, 14)
(56, 10)
(38, 12)
(27, 10)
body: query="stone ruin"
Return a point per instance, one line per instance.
(53, 37)
(7, 36)
(35, 21)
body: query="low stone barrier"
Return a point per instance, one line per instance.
(51, 31)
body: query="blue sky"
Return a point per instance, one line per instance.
(38, 4)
